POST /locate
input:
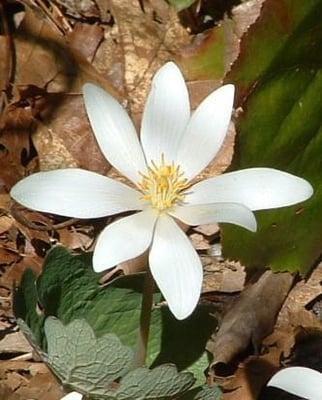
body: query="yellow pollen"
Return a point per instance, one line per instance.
(163, 185)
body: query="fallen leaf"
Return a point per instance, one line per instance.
(294, 312)
(14, 343)
(66, 138)
(249, 320)
(222, 275)
(85, 39)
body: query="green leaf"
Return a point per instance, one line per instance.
(92, 365)
(180, 5)
(203, 393)
(81, 360)
(279, 79)
(69, 290)
(159, 383)
(208, 60)
(25, 306)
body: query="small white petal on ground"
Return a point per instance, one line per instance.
(176, 267)
(301, 381)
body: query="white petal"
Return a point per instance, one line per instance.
(301, 381)
(166, 114)
(72, 396)
(176, 267)
(124, 239)
(206, 131)
(201, 214)
(75, 193)
(114, 132)
(256, 188)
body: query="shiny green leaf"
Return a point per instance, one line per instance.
(279, 79)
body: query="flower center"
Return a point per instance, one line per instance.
(163, 185)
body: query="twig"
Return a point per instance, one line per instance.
(24, 221)
(23, 357)
(43, 7)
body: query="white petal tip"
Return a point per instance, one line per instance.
(309, 190)
(170, 69)
(229, 88)
(170, 65)
(301, 381)
(72, 396)
(252, 223)
(183, 308)
(227, 92)
(252, 228)
(182, 314)
(98, 267)
(87, 87)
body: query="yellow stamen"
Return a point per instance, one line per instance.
(163, 185)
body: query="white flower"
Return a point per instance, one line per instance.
(301, 381)
(175, 147)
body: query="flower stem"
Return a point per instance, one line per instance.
(145, 319)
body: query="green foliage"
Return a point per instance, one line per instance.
(180, 5)
(279, 77)
(68, 289)
(92, 365)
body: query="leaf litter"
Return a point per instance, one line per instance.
(59, 45)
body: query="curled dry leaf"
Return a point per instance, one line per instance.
(249, 320)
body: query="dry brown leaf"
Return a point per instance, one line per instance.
(208, 229)
(66, 139)
(81, 9)
(21, 380)
(294, 312)
(6, 222)
(48, 62)
(16, 125)
(45, 60)
(136, 46)
(251, 376)
(249, 320)
(74, 239)
(85, 39)
(222, 276)
(14, 343)
(199, 242)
